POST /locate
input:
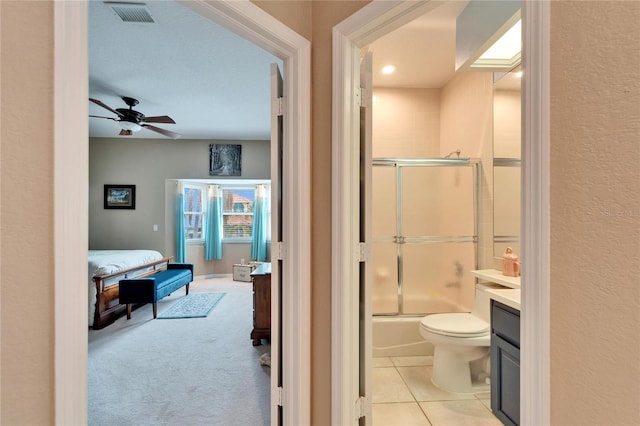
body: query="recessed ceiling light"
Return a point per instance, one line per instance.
(389, 69)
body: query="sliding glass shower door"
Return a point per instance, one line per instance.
(425, 235)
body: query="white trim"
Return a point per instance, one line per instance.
(369, 23)
(254, 24)
(71, 177)
(536, 295)
(344, 192)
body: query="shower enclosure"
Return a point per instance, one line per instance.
(425, 238)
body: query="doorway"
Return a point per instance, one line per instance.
(357, 31)
(291, 399)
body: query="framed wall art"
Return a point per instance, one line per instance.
(120, 197)
(225, 160)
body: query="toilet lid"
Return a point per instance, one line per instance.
(456, 324)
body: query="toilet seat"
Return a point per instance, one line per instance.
(455, 325)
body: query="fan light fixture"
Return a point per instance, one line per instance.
(132, 127)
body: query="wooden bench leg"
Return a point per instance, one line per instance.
(187, 288)
(155, 310)
(128, 311)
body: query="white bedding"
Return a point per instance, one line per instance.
(103, 262)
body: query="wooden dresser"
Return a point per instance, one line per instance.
(261, 278)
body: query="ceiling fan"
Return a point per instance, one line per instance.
(131, 120)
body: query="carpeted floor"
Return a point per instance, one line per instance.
(193, 371)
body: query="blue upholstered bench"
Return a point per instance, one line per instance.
(154, 287)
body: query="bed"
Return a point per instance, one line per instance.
(106, 268)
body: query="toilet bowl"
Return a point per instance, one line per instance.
(461, 348)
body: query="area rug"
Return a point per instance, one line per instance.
(195, 305)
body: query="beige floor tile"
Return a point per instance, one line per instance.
(412, 361)
(382, 361)
(418, 380)
(395, 414)
(483, 395)
(388, 386)
(486, 402)
(459, 413)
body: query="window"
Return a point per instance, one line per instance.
(237, 210)
(237, 213)
(194, 202)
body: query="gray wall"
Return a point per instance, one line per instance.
(149, 164)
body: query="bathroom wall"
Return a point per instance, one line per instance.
(406, 122)
(467, 123)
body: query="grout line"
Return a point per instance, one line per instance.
(475, 395)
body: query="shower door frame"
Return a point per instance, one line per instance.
(400, 239)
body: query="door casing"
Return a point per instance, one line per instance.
(369, 23)
(70, 200)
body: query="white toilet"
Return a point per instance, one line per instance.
(461, 346)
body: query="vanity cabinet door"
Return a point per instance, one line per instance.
(505, 381)
(505, 363)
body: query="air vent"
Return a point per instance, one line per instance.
(132, 12)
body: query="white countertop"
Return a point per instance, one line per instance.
(508, 290)
(508, 296)
(495, 276)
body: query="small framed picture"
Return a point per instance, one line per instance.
(120, 197)
(225, 160)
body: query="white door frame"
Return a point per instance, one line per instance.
(365, 26)
(71, 199)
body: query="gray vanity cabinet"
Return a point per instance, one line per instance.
(505, 363)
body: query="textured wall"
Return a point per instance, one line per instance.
(326, 14)
(595, 213)
(315, 21)
(26, 170)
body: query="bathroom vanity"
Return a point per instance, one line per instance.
(505, 344)
(505, 363)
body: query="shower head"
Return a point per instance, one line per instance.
(457, 152)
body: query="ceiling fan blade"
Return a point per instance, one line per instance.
(125, 132)
(97, 102)
(99, 116)
(167, 133)
(159, 119)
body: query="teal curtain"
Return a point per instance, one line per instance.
(213, 228)
(181, 252)
(260, 225)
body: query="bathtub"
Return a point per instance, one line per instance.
(400, 335)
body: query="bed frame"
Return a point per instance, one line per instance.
(108, 306)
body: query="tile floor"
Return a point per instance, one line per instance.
(403, 395)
